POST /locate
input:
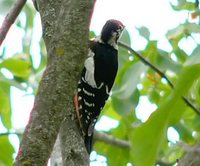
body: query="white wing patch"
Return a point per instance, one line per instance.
(89, 65)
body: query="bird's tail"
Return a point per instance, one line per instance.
(88, 143)
(87, 139)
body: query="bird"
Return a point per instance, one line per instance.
(97, 78)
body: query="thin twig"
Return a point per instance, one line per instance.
(157, 70)
(10, 133)
(10, 18)
(100, 136)
(146, 62)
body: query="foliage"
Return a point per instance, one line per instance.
(17, 70)
(149, 140)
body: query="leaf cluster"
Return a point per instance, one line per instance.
(151, 142)
(19, 69)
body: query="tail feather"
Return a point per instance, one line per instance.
(88, 143)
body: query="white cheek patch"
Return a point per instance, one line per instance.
(112, 40)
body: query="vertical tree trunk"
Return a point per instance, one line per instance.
(72, 145)
(65, 31)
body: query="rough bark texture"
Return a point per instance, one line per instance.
(65, 31)
(192, 157)
(73, 152)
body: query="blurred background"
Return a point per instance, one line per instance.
(143, 109)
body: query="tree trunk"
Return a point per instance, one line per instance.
(65, 31)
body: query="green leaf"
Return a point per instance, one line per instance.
(196, 123)
(150, 50)
(18, 67)
(154, 95)
(110, 152)
(146, 141)
(183, 30)
(195, 93)
(174, 37)
(5, 107)
(148, 138)
(176, 32)
(180, 54)
(92, 34)
(163, 60)
(186, 78)
(124, 106)
(107, 150)
(123, 53)
(192, 28)
(185, 133)
(171, 153)
(130, 80)
(144, 32)
(7, 150)
(184, 5)
(109, 111)
(194, 58)
(5, 6)
(125, 38)
(14, 83)
(30, 14)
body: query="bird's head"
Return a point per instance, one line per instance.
(111, 32)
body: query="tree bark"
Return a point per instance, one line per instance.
(65, 31)
(192, 157)
(72, 145)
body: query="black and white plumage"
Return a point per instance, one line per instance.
(98, 75)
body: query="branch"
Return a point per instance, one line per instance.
(10, 133)
(109, 139)
(10, 18)
(191, 157)
(146, 62)
(157, 70)
(100, 136)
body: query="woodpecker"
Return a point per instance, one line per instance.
(97, 78)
